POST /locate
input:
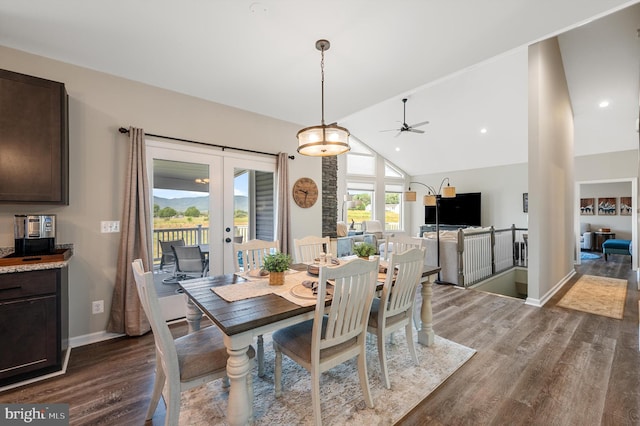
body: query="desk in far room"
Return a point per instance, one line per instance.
(601, 237)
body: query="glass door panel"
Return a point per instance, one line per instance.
(185, 187)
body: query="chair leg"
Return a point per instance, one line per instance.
(364, 379)
(382, 357)
(260, 356)
(172, 401)
(315, 396)
(410, 343)
(277, 373)
(157, 390)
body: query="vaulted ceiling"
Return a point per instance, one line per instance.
(462, 65)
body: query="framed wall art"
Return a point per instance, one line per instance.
(525, 202)
(587, 206)
(607, 206)
(625, 206)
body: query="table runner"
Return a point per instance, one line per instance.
(261, 287)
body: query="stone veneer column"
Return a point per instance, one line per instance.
(329, 196)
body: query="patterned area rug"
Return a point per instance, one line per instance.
(341, 396)
(597, 295)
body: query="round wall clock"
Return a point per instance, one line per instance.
(305, 192)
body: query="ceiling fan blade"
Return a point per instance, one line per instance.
(416, 130)
(389, 130)
(398, 134)
(422, 123)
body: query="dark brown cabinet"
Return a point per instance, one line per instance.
(34, 141)
(33, 323)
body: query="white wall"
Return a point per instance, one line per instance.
(98, 105)
(501, 188)
(551, 176)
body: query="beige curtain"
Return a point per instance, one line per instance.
(127, 315)
(284, 221)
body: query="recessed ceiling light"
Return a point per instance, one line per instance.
(397, 148)
(603, 104)
(483, 130)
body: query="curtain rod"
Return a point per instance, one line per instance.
(223, 147)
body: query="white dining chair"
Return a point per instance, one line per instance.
(401, 243)
(253, 253)
(185, 362)
(337, 333)
(308, 249)
(394, 308)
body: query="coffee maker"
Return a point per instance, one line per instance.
(34, 234)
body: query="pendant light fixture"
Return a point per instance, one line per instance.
(323, 140)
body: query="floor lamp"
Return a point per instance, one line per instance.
(433, 199)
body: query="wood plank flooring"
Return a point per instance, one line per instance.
(534, 366)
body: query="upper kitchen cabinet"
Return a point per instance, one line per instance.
(34, 140)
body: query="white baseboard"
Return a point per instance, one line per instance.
(541, 302)
(87, 339)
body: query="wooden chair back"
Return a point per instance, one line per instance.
(309, 248)
(253, 253)
(354, 285)
(401, 243)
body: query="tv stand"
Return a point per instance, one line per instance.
(432, 228)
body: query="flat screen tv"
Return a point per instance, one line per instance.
(464, 209)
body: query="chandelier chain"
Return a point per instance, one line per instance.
(322, 80)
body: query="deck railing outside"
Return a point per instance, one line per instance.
(191, 236)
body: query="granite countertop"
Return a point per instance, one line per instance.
(5, 251)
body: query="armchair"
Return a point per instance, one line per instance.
(374, 227)
(586, 236)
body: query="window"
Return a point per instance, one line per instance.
(393, 207)
(362, 180)
(359, 208)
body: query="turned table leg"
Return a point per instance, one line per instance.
(426, 335)
(194, 315)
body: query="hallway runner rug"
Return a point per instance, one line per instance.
(597, 295)
(341, 398)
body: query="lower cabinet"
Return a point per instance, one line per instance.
(33, 323)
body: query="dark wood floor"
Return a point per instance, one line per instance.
(534, 366)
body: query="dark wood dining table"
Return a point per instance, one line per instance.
(241, 321)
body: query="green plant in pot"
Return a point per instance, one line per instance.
(364, 250)
(277, 264)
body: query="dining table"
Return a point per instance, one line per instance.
(243, 320)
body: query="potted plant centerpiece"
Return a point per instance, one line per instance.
(277, 264)
(364, 250)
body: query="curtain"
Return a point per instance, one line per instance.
(127, 315)
(284, 221)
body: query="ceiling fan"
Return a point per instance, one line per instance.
(405, 127)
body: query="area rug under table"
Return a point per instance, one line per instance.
(597, 295)
(341, 396)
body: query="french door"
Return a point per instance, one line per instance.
(215, 199)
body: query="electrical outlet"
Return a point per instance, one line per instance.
(109, 226)
(97, 306)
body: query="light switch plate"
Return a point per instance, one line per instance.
(109, 226)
